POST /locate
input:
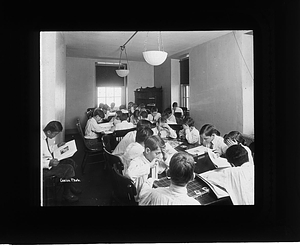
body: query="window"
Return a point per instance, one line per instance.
(107, 95)
(184, 95)
(184, 82)
(110, 87)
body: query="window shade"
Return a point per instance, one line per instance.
(106, 76)
(184, 71)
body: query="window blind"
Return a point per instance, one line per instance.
(106, 76)
(184, 71)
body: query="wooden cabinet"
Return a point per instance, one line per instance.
(150, 96)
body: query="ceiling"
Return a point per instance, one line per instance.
(106, 45)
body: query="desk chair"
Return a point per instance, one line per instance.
(119, 134)
(88, 152)
(123, 188)
(112, 160)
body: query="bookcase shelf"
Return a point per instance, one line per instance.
(150, 96)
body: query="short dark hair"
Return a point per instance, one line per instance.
(154, 142)
(235, 135)
(144, 114)
(188, 121)
(123, 116)
(98, 112)
(142, 123)
(175, 104)
(53, 126)
(143, 133)
(168, 111)
(237, 155)
(181, 168)
(209, 130)
(154, 109)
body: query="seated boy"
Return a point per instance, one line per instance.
(210, 138)
(171, 119)
(52, 167)
(124, 124)
(154, 116)
(93, 128)
(144, 115)
(139, 168)
(181, 171)
(189, 132)
(164, 130)
(235, 138)
(129, 138)
(136, 148)
(176, 109)
(238, 180)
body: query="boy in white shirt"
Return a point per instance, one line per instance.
(171, 119)
(124, 124)
(94, 127)
(211, 139)
(189, 132)
(139, 168)
(154, 116)
(164, 130)
(129, 138)
(181, 172)
(238, 180)
(65, 168)
(235, 138)
(136, 148)
(176, 109)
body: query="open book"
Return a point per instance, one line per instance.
(65, 151)
(219, 192)
(218, 161)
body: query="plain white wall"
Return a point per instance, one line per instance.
(248, 84)
(175, 81)
(216, 84)
(141, 75)
(53, 79)
(162, 78)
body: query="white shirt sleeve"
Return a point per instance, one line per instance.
(192, 137)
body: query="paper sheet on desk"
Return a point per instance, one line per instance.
(199, 150)
(218, 161)
(217, 190)
(108, 132)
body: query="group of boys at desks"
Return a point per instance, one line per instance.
(146, 149)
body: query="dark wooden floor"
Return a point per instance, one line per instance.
(95, 183)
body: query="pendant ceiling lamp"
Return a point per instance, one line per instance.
(124, 72)
(155, 57)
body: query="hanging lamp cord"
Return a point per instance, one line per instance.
(159, 41)
(124, 48)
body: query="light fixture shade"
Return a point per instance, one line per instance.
(155, 57)
(122, 72)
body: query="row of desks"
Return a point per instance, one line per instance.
(198, 188)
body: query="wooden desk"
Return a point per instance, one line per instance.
(205, 196)
(203, 162)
